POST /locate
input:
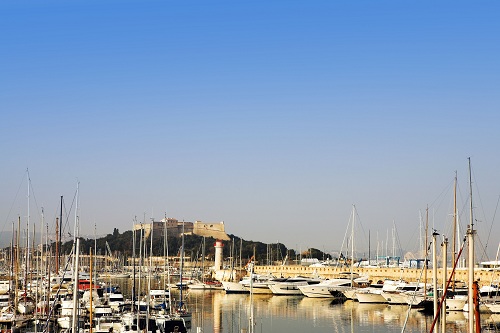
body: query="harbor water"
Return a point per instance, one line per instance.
(215, 311)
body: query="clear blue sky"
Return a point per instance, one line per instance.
(272, 116)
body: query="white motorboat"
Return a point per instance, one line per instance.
(231, 287)
(395, 291)
(115, 300)
(159, 298)
(171, 323)
(290, 286)
(370, 295)
(260, 283)
(206, 285)
(324, 288)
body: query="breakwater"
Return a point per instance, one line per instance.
(375, 274)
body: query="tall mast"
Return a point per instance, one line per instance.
(133, 260)
(76, 255)
(182, 266)
(95, 260)
(18, 257)
(454, 239)
(434, 272)
(149, 272)
(75, 231)
(26, 266)
(165, 261)
(426, 246)
(352, 243)
(470, 235)
(57, 244)
(140, 271)
(12, 255)
(369, 248)
(241, 250)
(60, 233)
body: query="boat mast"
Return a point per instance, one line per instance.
(12, 255)
(140, 275)
(470, 235)
(203, 261)
(133, 260)
(444, 277)
(454, 238)
(252, 319)
(18, 257)
(75, 285)
(426, 247)
(60, 235)
(91, 290)
(149, 273)
(182, 267)
(369, 246)
(76, 252)
(352, 244)
(166, 264)
(57, 244)
(241, 249)
(26, 264)
(434, 272)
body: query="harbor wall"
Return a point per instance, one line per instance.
(376, 274)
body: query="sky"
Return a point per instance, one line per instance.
(275, 117)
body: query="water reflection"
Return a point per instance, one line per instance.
(217, 312)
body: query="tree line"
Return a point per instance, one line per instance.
(123, 244)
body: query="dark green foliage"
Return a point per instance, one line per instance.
(123, 244)
(315, 253)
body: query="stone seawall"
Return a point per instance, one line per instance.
(377, 274)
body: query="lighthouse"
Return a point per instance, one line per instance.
(216, 231)
(218, 254)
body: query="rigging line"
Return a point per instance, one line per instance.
(415, 291)
(56, 214)
(360, 224)
(52, 228)
(443, 192)
(483, 248)
(68, 213)
(33, 193)
(398, 242)
(483, 255)
(491, 225)
(345, 235)
(15, 199)
(52, 308)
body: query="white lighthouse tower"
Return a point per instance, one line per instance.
(214, 230)
(218, 254)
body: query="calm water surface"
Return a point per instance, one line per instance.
(216, 311)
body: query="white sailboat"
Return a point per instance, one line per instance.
(204, 284)
(232, 286)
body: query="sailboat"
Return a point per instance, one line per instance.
(232, 286)
(457, 297)
(204, 284)
(181, 310)
(350, 291)
(472, 306)
(171, 321)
